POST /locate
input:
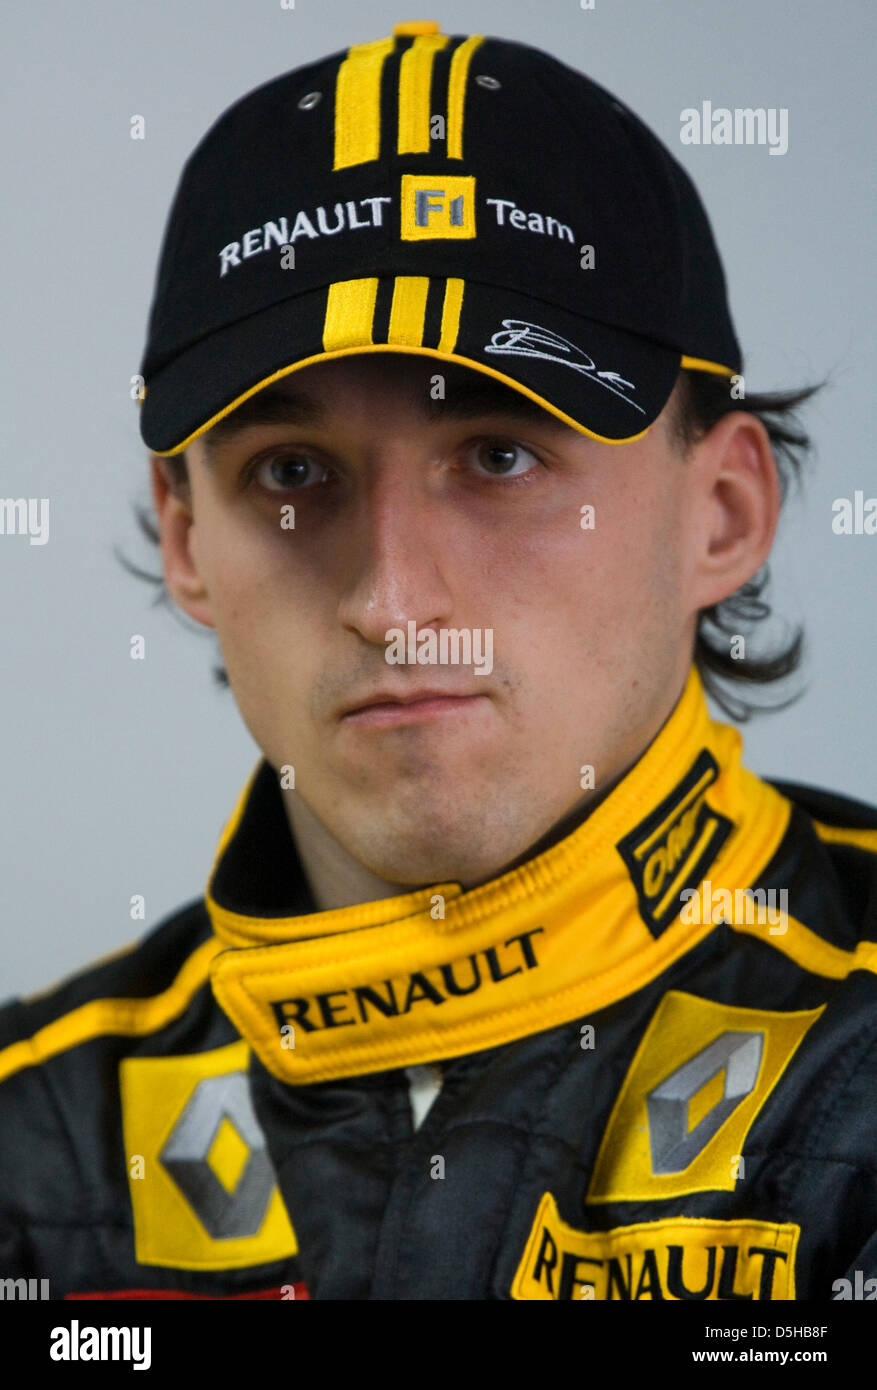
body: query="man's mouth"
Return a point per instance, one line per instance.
(386, 710)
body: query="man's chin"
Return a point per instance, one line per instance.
(426, 850)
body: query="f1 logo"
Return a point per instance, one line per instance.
(437, 207)
(424, 204)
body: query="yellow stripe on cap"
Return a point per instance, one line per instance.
(416, 26)
(700, 364)
(440, 355)
(408, 310)
(358, 103)
(415, 85)
(451, 308)
(457, 93)
(350, 312)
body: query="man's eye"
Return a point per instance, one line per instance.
(504, 459)
(288, 472)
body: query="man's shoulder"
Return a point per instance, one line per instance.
(63, 1055)
(830, 809)
(826, 827)
(130, 993)
(827, 863)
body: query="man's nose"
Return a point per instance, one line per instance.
(396, 572)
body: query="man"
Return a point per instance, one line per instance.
(510, 981)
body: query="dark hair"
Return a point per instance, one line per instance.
(701, 400)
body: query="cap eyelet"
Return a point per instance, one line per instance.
(307, 102)
(490, 82)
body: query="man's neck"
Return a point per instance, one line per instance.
(336, 879)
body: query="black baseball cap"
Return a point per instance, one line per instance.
(463, 197)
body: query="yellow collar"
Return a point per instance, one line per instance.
(391, 983)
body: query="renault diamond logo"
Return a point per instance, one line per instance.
(216, 1103)
(674, 1145)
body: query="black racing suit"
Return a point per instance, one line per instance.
(654, 1084)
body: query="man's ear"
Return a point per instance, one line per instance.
(177, 538)
(736, 502)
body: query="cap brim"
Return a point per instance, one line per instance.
(603, 382)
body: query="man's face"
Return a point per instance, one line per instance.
(457, 513)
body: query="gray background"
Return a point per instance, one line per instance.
(118, 775)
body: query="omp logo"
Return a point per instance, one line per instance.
(701, 1074)
(674, 846)
(437, 206)
(682, 1258)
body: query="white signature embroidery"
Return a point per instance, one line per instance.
(518, 338)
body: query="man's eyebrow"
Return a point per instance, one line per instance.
(274, 405)
(465, 400)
